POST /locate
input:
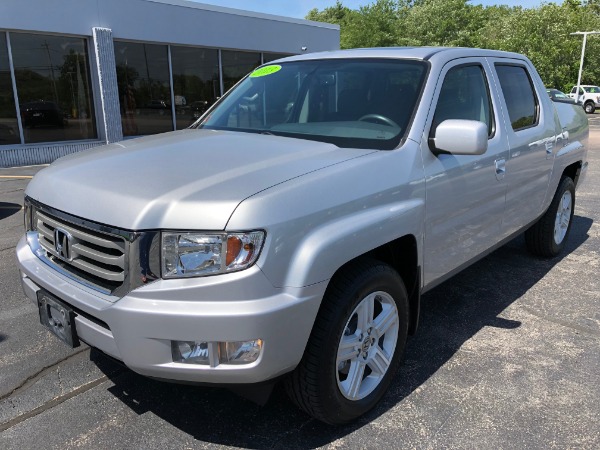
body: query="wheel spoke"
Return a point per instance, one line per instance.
(566, 203)
(347, 349)
(370, 340)
(365, 312)
(355, 378)
(386, 318)
(379, 362)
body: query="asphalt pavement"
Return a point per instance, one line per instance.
(506, 356)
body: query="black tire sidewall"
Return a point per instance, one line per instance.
(335, 404)
(565, 185)
(540, 236)
(589, 106)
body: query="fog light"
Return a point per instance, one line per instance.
(190, 352)
(214, 353)
(244, 352)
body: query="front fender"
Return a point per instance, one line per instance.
(320, 221)
(328, 247)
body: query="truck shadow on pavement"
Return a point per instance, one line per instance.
(452, 313)
(8, 209)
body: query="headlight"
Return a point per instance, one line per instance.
(188, 254)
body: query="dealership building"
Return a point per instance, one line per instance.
(76, 74)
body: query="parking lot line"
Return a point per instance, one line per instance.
(16, 176)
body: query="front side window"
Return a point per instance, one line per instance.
(519, 95)
(464, 95)
(361, 103)
(53, 83)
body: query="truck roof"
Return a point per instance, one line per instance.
(437, 54)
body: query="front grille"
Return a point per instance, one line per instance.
(97, 258)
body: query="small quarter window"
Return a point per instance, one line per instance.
(519, 96)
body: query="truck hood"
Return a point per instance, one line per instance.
(190, 179)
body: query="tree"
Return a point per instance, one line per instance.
(541, 33)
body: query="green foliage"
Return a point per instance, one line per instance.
(542, 33)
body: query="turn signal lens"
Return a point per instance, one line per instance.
(234, 246)
(243, 249)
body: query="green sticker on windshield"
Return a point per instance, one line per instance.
(267, 70)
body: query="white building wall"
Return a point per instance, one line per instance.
(174, 22)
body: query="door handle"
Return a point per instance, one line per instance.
(549, 149)
(500, 168)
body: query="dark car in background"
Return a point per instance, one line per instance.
(559, 96)
(42, 113)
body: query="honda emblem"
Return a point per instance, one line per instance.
(62, 244)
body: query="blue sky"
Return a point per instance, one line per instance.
(299, 8)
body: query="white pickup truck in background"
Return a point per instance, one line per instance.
(589, 97)
(290, 232)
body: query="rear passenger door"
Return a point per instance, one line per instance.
(531, 137)
(465, 193)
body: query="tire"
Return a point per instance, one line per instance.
(548, 235)
(356, 344)
(589, 107)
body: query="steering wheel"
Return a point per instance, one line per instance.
(384, 119)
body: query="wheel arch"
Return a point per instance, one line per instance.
(573, 171)
(403, 256)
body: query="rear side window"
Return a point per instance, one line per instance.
(519, 95)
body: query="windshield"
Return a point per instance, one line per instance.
(358, 103)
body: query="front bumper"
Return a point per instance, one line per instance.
(138, 328)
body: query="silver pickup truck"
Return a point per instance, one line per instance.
(289, 233)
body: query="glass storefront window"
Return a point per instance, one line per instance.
(53, 84)
(195, 82)
(9, 127)
(268, 57)
(236, 65)
(144, 88)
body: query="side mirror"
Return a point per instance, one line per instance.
(461, 137)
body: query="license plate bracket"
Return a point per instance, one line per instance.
(58, 317)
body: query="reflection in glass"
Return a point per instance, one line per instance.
(9, 127)
(518, 93)
(195, 82)
(144, 88)
(351, 103)
(53, 83)
(236, 65)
